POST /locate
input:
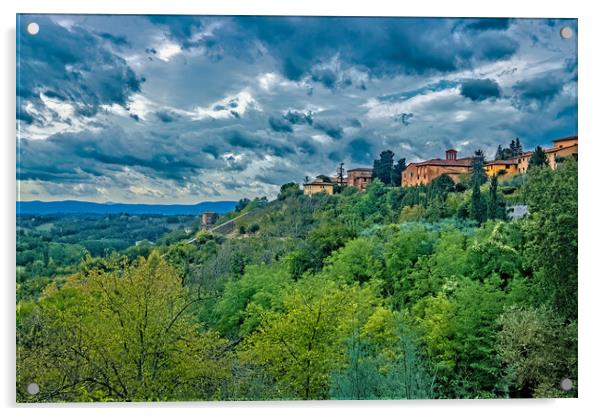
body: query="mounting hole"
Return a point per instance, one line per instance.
(566, 384)
(33, 388)
(566, 32)
(33, 28)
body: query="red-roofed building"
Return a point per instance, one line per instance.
(423, 173)
(359, 178)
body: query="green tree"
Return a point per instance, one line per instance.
(289, 190)
(477, 209)
(383, 362)
(383, 168)
(398, 169)
(301, 345)
(260, 285)
(121, 334)
(358, 261)
(551, 234)
(538, 158)
(496, 207)
(539, 350)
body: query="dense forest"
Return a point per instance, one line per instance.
(391, 293)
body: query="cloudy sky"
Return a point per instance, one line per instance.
(180, 109)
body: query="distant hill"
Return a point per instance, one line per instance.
(80, 207)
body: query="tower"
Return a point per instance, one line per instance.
(451, 154)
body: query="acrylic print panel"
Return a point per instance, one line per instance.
(295, 208)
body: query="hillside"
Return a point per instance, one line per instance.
(391, 293)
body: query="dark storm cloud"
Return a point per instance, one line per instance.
(331, 129)
(379, 46)
(480, 89)
(280, 124)
(404, 118)
(307, 148)
(71, 65)
(537, 91)
(258, 143)
(493, 47)
(360, 150)
(166, 116)
(489, 24)
(179, 28)
(299, 117)
(77, 156)
(325, 76)
(116, 40)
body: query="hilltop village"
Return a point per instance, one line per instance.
(422, 173)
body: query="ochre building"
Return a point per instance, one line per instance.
(502, 168)
(562, 149)
(315, 187)
(423, 173)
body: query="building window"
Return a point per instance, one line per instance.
(507, 166)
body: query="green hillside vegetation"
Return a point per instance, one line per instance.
(392, 293)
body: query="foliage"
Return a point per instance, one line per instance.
(301, 345)
(551, 234)
(538, 158)
(289, 190)
(119, 334)
(539, 350)
(390, 293)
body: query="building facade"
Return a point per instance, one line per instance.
(423, 173)
(359, 178)
(562, 149)
(502, 168)
(209, 218)
(316, 187)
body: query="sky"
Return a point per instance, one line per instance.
(184, 109)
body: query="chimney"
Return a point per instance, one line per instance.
(451, 154)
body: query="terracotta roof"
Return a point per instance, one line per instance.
(359, 169)
(502, 162)
(558, 149)
(522, 155)
(564, 139)
(466, 161)
(318, 183)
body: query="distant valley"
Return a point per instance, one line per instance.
(81, 207)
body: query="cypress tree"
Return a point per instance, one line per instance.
(538, 158)
(499, 154)
(478, 211)
(496, 208)
(383, 167)
(398, 169)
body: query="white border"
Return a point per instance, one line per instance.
(590, 288)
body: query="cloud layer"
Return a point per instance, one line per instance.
(184, 108)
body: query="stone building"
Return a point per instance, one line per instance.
(422, 173)
(209, 218)
(359, 178)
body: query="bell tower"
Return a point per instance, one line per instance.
(451, 154)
